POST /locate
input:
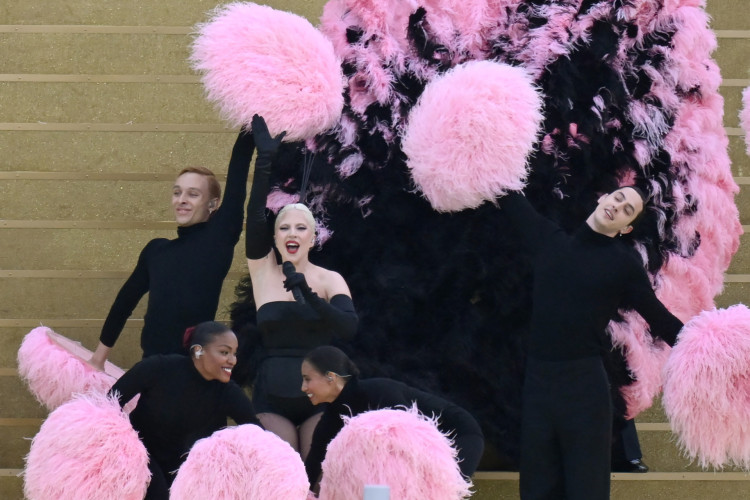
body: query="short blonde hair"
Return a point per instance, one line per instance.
(214, 188)
(295, 206)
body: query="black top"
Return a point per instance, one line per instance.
(359, 396)
(177, 406)
(580, 281)
(289, 330)
(183, 277)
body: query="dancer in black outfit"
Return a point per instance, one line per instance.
(626, 447)
(580, 281)
(183, 277)
(184, 399)
(329, 376)
(288, 327)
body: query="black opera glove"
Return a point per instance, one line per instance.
(266, 145)
(297, 280)
(258, 237)
(339, 313)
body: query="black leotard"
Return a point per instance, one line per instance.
(184, 276)
(289, 330)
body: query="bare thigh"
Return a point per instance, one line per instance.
(305, 434)
(282, 427)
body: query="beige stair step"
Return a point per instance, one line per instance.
(68, 298)
(11, 485)
(157, 153)
(17, 400)
(16, 434)
(649, 486)
(125, 354)
(504, 486)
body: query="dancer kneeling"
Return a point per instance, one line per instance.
(319, 311)
(183, 399)
(329, 376)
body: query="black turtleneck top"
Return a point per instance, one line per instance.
(359, 396)
(183, 276)
(177, 406)
(580, 282)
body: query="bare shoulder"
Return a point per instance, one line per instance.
(332, 283)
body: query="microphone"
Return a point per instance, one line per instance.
(288, 270)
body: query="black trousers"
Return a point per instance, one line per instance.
(566, 431)
(470, 448)
(158, 488)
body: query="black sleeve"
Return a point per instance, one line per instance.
(641, 297)
(329, 425)
(128, 297)
(239, 407)
(230, 211)
(532, 226)
(339, 313)
(136, 380)
(258, 237)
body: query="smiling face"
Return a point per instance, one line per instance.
(615, 212)
(217, 358)
(320, 388)
(294, 235)
(191, 200)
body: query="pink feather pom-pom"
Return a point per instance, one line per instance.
(707, 388)
(55, 368)
(745, 117)
(87, 449)
(241, 462)
(255, 59)
(401, 449)
(469, 136)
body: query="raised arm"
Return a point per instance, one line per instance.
(235, 191)
(532, 226)
(258, 237)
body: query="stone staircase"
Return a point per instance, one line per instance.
(671, 475)
(98, 109)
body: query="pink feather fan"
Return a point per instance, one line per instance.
(241, 462)
(400, 449)
(745, 117)
(87, 449)
(469, 136)
(255, 59)
(55, 368)
(707, 388)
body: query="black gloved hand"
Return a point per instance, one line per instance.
(258, 236)
(339, 313)
(297, 280)
(265, 144)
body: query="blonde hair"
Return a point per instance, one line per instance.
(214, 188)
(295, 206)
